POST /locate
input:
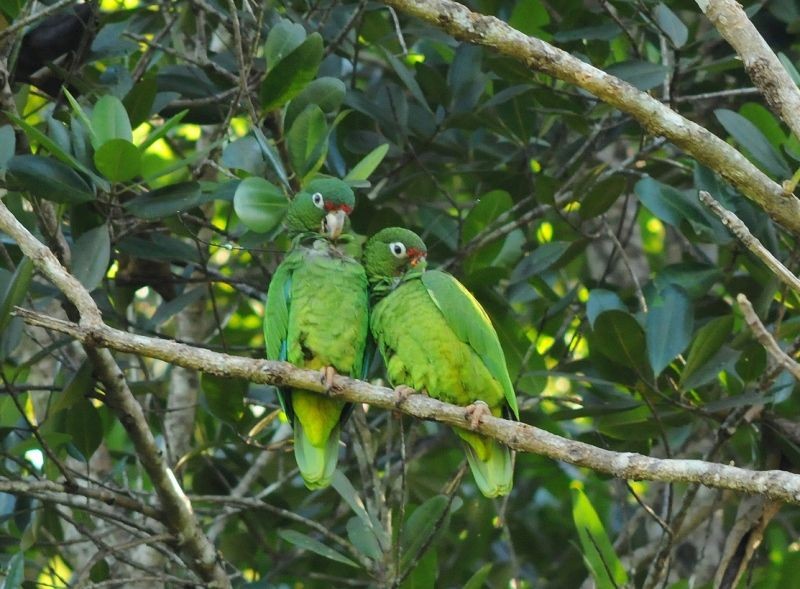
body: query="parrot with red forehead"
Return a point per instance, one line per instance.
(316, 316)
(436, 337)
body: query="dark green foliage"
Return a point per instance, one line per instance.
(166, 170)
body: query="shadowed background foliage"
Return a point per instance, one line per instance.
(153, 146)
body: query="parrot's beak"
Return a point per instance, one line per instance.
(416, 258)
(334, 223)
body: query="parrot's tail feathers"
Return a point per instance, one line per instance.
(495, 474)
(317, 463)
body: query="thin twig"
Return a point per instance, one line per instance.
(750, 241)
(765, 338)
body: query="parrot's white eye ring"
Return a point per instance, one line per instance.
(398, 249)
(318, 201)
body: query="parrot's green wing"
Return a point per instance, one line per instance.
(470, 323)
(276, 317)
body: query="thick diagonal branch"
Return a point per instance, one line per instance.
(775, 484)
(762, 65)
(654, 116)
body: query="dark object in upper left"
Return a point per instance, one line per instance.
(55, 47)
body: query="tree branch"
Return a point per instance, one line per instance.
(765, 338)
(775, 484)
(762, 65)
(200, 554)
(750, 241)
(654, 116)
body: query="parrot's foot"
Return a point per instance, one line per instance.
(475, 412)
(328, 373)
(403, 392)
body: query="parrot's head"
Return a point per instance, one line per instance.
(393, 252)
(323, 206)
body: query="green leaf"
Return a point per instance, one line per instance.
(539, 260)
(170, 308)
(363, 169)
(272, 156)
(488, 207)
(139, 101)
(224, 396)
(8, 143)
(363, 538)
(158, 247)
(644, 75)
(601, 196)
(245, 154)
(49, 179)
(110, 121)
(81, 114)
(76, 388)
(285, 81)
(601, 300)
(424, 573)
(15, 572)
(753, 142)
(407, 78)
(91, 255)
(326, 93)
(162, 130)
(308, 543)
(620, 338)
(259, 204)
(283, 38)
(706, 343)
(598, 553)
(478, 580)
(307, 141)
(119, 160)
(83, 423)
(668, 327)
(15, 291)
(347, 491)
(669, 22)
(530, 17)
(420, 525)
(37, 136)
(167, 201)
(787, 63)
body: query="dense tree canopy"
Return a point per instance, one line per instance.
(613, 181)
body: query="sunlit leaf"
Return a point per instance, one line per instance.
(110, 121)
(598, 553)
(119, 160)
(363, 169)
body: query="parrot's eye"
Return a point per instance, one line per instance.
(318, 201)
(398, 249)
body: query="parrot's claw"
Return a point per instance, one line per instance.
(403, 392)
(328, 373)
(475, 412)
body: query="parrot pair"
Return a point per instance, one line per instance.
(433, 334)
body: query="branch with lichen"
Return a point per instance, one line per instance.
(657, 118)
(775, 484)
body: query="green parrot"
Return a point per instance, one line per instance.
(316, 317)
(435, 337)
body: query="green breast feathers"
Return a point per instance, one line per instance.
(435, 337)
(316, 316)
